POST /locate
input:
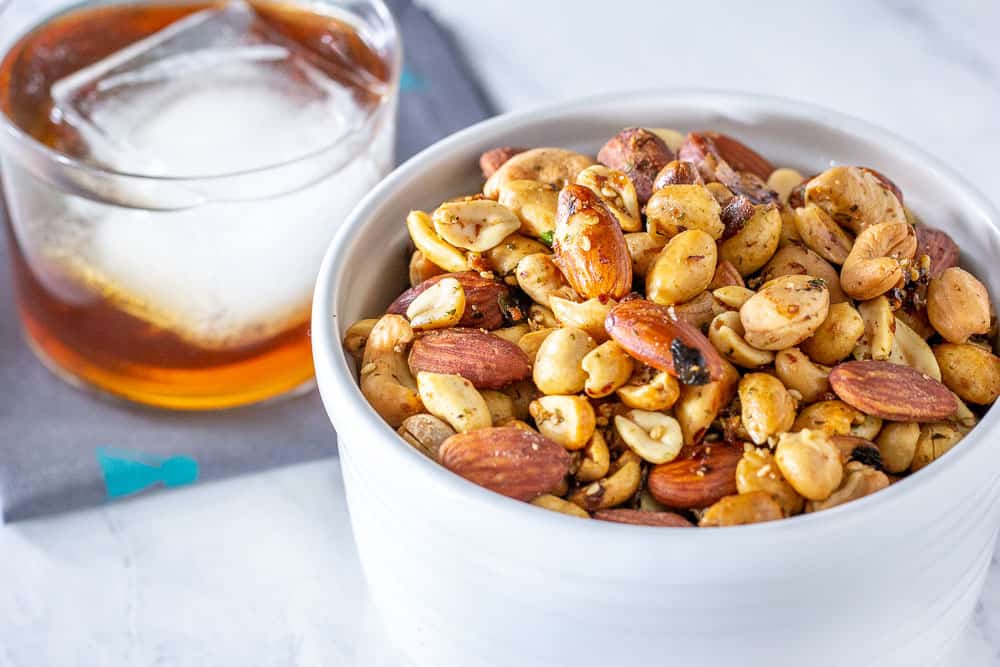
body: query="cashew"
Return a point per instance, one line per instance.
(617, 190)
(500, 405)
(822, 235)
(513, 334)
(567, 420)
(970, 371)
(810, 462)
(440, 305)
(534, 203)
(859, 481)
(454, 399)
(912, 350)
(767, 408)
(880, 326)
(504, 257)
(755, 244)
(643, 248)
(958, 305)
(935, 440)
(684, 268)
(742, 509)
(798, 372)
(650, 389)
(782, 181)
(385, 375)
(426, 433)
(557, 504)
(608, 367)
(897, 443)
(785, 311)
(541, 316)
(540, 279)
(854, 198)
(836, 337)
(796, 260)
(612, 490)
(588, 315)
(733, 296)
(699, 405)
(758, 471)
(873, 266)
(558, 365)
(434, 249)
(357, 336)
(675, 208)
(553, 166)
(726, 335)
(654, 436)
(595, 460)
(530, 342)
(422, 269)
(475, 224)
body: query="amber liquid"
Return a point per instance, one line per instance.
(98, 341)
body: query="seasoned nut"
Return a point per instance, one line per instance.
(810, 462)
(713, 153)
(758, 471)
(767, 408)
(608, 367)
(522, 393)
(539, 278)
(936, 439)
(684, 268)
(453, 399)
(650, 389)
(672, 138)
(511, 461)
(654, 436)
(567, 420)
(733, 296)
(836, 336)
(789, 228)
(675, 208)
(726, 275)
(588, 315)
(873, 266)
(797, 260)
(699, 405)
(425, 433)
(735, 214)
(741, 157)
(552, 166)
(893, 392)
(643, 248)
(727, 335)
(441, 305)
(698, 312)
(697, 481)
(558, 367)
(641, 518)
(487, 302)
(421, 268)
(513, 334)
(785, 311)
(677, 172)
(970, 371)
(534, 204)
(798, 372)
(859, 481)
(617, 191)
(911, 350)
(897, 444)
(880, 328)
(505, 257)
(500, 405)
(356, 337)
(476, 224)
(589, 247)
(742, 509)
(557, 504)
(485, 360)
(530, 342)
(824, 236)
(385, 376)
(855, 197)
(611, 491)
(595, 460)
(782, 181)
(640, 154)
(939, 247)
(958, 305)
(494, 158)
(433, 247)
(541, 316)
(751, 247)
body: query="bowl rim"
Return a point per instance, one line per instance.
(332, 364)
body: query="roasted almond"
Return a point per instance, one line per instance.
(649, 333)
(589, 246)
(702, 148)
(488, 303)
(740, 156)
(640, 154)
(485, 360)
(939, 247)
(705, 476)
(513, 462)
(891, 391)
(494, 158)
(725, 275)
(640, 518)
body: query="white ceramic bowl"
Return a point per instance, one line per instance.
(463, 576)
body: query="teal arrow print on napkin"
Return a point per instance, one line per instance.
(128, 472)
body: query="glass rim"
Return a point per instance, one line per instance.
(395, 62)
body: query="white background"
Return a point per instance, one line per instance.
(261, 570)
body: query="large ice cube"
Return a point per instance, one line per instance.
(219, 91)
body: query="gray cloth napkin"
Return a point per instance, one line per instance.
(61, 448)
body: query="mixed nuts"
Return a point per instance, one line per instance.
(677, 333)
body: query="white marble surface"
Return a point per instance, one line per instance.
(262, 570)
